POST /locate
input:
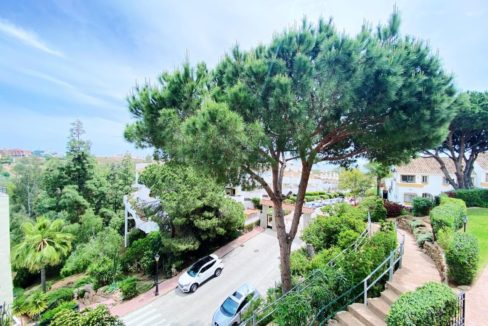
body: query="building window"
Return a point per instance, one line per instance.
(408, 197)
(425, 179)
(427, 195)
(408, 178)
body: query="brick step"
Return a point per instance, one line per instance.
(364, 315)
(345, 318)
(379, 307)
(389, 296)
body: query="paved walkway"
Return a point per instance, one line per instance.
(477, 301)
(170, 284)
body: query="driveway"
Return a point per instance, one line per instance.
(255, 262)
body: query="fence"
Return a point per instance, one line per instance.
(261, 315)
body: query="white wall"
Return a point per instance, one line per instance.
(435, 187)
(6, 294)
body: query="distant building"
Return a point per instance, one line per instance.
(423, 177)
(6, 288)
(15, 153)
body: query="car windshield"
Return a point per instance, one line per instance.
(229, 307)
(193, 270)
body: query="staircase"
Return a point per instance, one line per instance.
(417, 269)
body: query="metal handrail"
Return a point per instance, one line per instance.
(393, 261)
(300, 286)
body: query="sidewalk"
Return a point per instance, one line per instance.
(170, 284)
(477, 301)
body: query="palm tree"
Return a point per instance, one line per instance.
(44, 244)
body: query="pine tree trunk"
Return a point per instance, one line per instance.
(285, 246)
(43, 279)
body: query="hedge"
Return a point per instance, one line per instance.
(472, 197)
(449, 213)
(462, 258)
(422, 206)
(374, 205)
(433, 304)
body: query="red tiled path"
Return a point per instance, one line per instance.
(477, 301)
(169, 285)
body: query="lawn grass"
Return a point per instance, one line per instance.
(478, 226)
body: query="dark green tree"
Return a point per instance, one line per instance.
(467, 138)
(312, 95)
(27, 183)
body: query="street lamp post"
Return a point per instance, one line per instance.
(156, 258)
(465, 221)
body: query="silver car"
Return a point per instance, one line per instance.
(230, 312)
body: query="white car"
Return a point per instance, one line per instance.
(230, 312)
(199, 272)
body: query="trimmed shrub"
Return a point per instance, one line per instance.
(472, 197)
(462, 258)
(375, 206)
(128, 287)
(448, 215)
(444, 237)
(393, 209)
(422, 206)
(59, 296)
(433, 304)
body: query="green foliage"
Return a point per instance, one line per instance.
(422, 235)
(325, 232)
(100, 316)
(323, 257)
(472, 197)
(106, 243)
(376, 208)
(90, 226)
(256, 201)
(31, 305)
(197, 208)
(433, 304)
(422, 206)
(444, 237)
(462, 258)
(448, 214)
(299, 264)
(58, 296)
(293, 310)
(139, 256)
(355, 181)
(103, 271)
(48, 315)
(128, 287)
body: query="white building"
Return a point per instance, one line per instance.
(423, 177)
(6, 289)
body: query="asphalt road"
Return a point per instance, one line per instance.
(256, 262)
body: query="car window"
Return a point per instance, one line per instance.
(193, 270)
(229, 307)
(205, 268)
(243, 303)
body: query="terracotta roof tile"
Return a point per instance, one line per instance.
(482, 161)
(426, 165)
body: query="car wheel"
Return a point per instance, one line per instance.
(193, 287)
(217, 272)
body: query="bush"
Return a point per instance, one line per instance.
(375, 206)
(324, 232)
(422, 206)
(462, 258)
(393, 209)
(293, 309)
(449, 214)
(299, 263)
(31, 305)
(444, 237)
(256, 201)
(472, 197)
(103, 272)
(433, 304)
(422, 235)
(48, 316)
(321, 259)
(100, 316)
(59, 296)
(128, 287)
(139, 256)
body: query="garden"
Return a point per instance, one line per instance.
(67, 229)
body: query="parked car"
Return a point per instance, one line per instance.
(230, 312)
(199, 272)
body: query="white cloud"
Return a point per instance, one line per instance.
(27, 37)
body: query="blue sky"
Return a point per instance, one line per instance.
(62, 60)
